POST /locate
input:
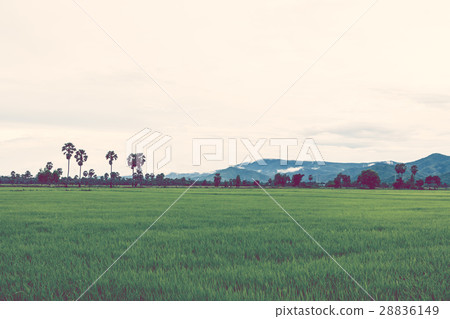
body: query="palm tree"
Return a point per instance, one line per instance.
(139, 176)
(414, 170)
(85, 175)
(49, 166)
(111, 156)
(115, 175)
(400, 169)
(68, 149)
(80, 157)
(135, 160)
(91, 174)
(27, 174)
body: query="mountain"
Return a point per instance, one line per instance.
(245, 174)
(188, 175)
(434, 164)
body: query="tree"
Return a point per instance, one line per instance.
(277, 179)
(217, 180)
(152, 178)
(91, 174)
(346, 180)
(56, 175)
(281, 180)
(81, 157)
(49, 166)
(135, 160)
(310, 178)
(419, 184)
(342, 180)
(115, 176)
(414, 170)
(369, 178)
(400, 169)
(46, 176)
(138, 177)
(238, 181)
(43, 176)
(111, 156)
(27, 175)
(68, 149)
(159, 179)
(437, 181)
(399, 184)
(297, 179)
(433, 181)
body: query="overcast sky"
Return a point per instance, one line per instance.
(381, 92)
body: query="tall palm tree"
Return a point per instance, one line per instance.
(80, 157)
(68, 149)
(400, 169)
(414, 170)
(135, 160)
(111, 156)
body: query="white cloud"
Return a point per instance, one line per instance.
(290, 170)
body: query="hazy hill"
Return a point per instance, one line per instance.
(434, 164)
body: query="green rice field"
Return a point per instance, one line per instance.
(223, 244)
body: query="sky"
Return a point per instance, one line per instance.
(379, 90)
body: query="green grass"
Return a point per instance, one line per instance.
(223, 244)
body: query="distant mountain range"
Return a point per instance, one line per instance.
(435, 164)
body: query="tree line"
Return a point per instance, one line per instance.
(49, 176)
(367, 179)
(370, 179)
